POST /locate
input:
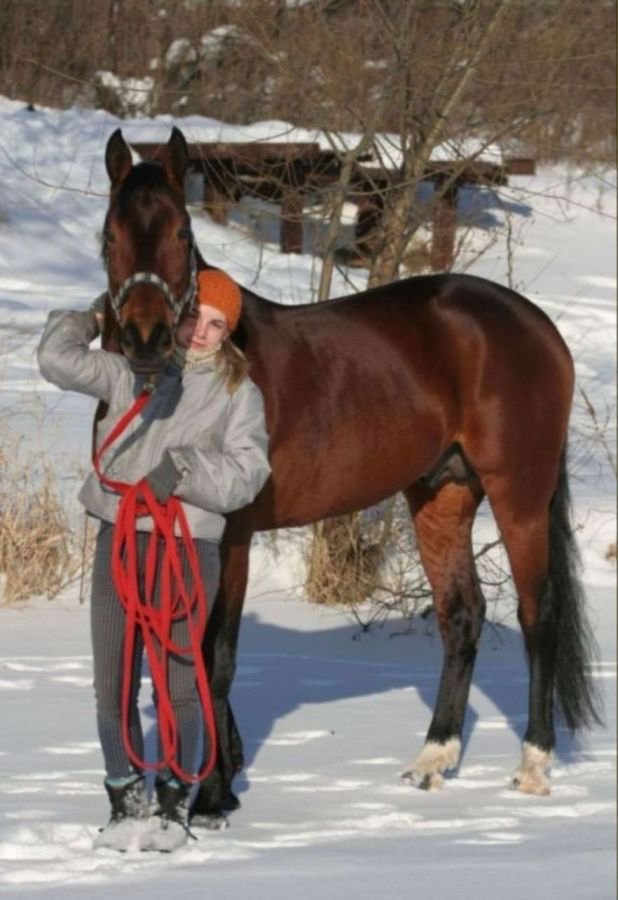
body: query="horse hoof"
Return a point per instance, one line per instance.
(531, 776)
(530, 783)
(230, 803)
(424, 781)
(426, 772)
(213, 802)
(211, 821)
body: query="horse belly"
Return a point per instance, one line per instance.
(355, 465)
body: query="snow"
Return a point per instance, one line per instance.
(214, 42)
(180, 51)
(134, 93)
(330, 716)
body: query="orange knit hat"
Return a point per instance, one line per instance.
(216, 288)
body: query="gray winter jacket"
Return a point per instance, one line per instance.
(217, 440)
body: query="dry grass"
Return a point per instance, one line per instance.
(367, 556)
(342, 562)
(38, 551)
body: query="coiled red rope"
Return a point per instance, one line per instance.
(155, 620)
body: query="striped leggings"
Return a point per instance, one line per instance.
(107, 631)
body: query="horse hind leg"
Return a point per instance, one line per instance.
(543, 558)
(526, 543)
(443, 521)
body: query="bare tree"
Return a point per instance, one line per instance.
(336, 64)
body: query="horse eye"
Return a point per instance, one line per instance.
(184, 234)
(107, 235)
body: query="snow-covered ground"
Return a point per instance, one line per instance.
(330, 717)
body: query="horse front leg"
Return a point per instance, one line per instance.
(215, 796)
(443, 524)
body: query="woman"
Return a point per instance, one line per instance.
(201, 437)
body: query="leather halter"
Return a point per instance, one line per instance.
(176, 304)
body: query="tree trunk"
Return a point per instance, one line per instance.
(334, 225)
(397, 213)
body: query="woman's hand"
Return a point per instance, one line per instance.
(164, 479)
(98, 308)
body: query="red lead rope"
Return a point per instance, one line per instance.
(155, 621)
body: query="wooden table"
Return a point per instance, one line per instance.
(285, 173)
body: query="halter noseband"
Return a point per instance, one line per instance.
(176, 304)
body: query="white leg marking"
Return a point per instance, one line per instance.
(434, 759)
(531, 777)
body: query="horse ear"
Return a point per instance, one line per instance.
(118, 161)
(175, 158)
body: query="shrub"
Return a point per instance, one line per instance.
(37, 547)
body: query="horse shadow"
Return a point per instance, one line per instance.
(282, 669)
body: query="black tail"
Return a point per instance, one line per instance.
(578, 699)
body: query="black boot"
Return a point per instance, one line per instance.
(128, 806)
(171, 815)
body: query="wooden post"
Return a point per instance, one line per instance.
(291, 228)
(444, 225)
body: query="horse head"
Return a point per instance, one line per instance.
(148, 250)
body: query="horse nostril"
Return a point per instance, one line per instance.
(164, 343)
(160, 340)
(128, 337)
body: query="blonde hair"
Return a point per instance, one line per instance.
(232, 364)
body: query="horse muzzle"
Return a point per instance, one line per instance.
(146, 354)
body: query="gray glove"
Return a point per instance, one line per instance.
(164, 479)
(98, 304)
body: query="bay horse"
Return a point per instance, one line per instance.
(446, 387)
